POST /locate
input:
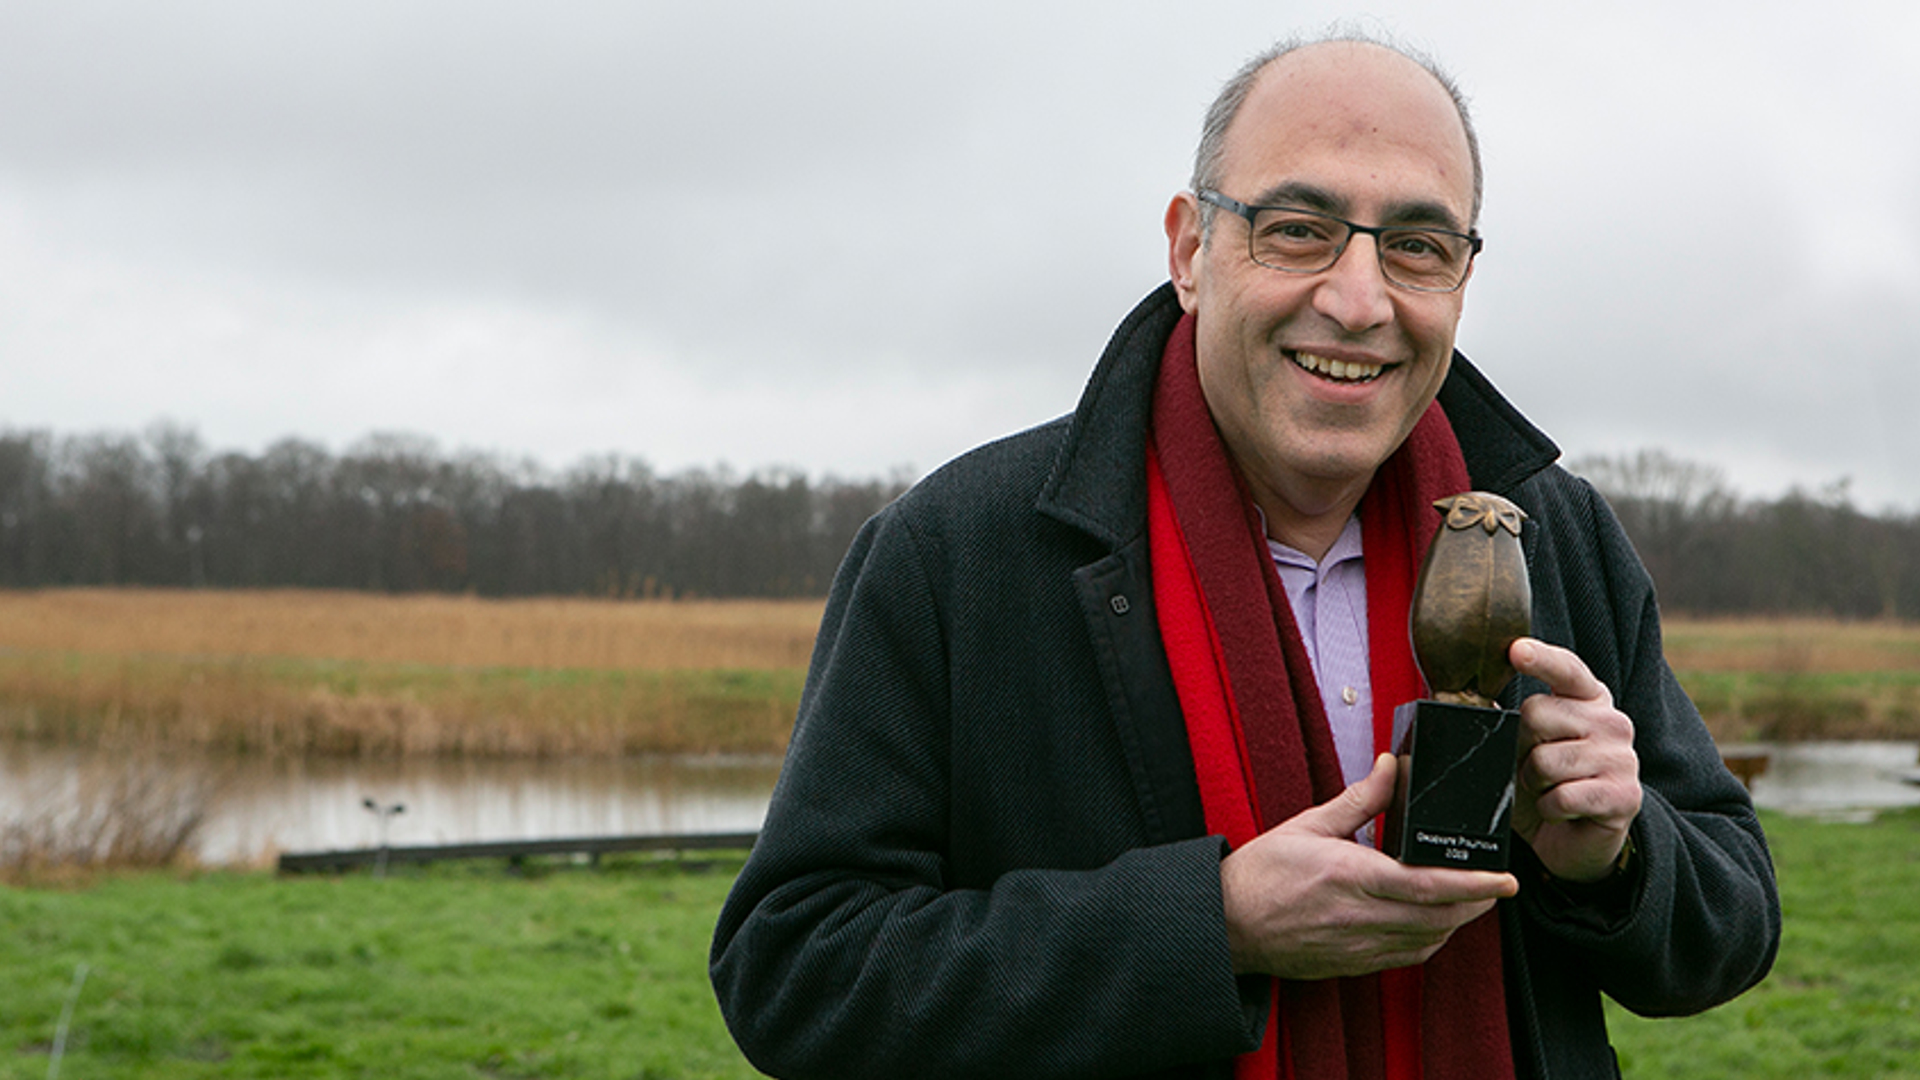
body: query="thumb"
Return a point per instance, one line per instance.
(1345, 813)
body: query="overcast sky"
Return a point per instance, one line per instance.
(854, 237)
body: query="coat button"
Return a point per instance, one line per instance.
(1119, 604)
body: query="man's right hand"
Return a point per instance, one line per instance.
(1305, 902)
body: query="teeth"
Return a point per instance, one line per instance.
(1338, 369)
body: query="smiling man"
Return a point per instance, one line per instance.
(1086, 764)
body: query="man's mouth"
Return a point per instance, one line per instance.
(1337, 370)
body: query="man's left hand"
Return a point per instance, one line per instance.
(1578, 786)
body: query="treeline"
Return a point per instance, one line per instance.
(393, 514)
(1712, 552)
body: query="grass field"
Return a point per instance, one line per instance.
(1844, 997)
(468, 972)
(462, 972)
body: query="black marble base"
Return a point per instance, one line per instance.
(1455, 795)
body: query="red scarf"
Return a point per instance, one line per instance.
(1262, 748)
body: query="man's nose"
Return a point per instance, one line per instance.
(1354, 292)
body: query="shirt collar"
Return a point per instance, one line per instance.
(1347, 546)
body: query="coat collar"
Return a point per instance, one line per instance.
(1098, 481)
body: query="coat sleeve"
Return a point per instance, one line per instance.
(1696, 920)
(847, 948)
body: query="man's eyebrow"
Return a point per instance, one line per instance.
(1421, 212)
(1311, 197)
(1304, 195)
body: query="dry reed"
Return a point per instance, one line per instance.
(353, 674)
(117, 811)
(286, 707)
(1791, 679)
(459, 631)
(1810, 645)
(296, 672)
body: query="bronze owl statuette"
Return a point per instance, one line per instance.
(1472, 600)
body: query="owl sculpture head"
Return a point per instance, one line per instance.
(1473, 599)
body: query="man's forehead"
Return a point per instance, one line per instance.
(1341, 96)
(1331, 73)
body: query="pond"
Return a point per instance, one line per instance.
(257, 808)
(1848, 780)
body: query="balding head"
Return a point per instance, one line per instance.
(1208, 159)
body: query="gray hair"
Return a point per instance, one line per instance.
(1213, 133)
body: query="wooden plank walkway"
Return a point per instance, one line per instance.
(514, 851)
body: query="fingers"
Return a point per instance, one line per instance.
(1604, 748)
(1306, 906)
(1438, 887)
(1346, 813)
(1579, 777)
(1586, 779)
(1579, 707)
(1600, 800)
(1386, 879)
(1419, 934)
(1562, 670)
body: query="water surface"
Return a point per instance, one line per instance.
(259, 808)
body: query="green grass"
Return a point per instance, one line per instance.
(460, 971)
(465, 971)
(1844, 997)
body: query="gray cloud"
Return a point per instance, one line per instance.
(853, 235)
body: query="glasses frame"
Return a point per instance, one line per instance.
(1234, 206)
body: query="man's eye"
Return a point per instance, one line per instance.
(1417, 246)
(1298, 231)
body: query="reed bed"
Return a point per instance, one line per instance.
(304, 672)
(246, 705)
(1808, 645)
(457, 631)
(1791, 679)
(290, 672)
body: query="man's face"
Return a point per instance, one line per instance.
(1315, 379)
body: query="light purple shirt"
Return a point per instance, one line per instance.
(1329, 601)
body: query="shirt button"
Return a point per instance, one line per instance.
(1349, 695)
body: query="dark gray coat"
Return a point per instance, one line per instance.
(986, 855)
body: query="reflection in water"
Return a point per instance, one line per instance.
(1838, 779)
(263, 807)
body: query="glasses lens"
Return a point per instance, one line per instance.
(1434, 261)
(1296, 240)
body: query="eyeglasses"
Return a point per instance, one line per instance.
(1301, 241)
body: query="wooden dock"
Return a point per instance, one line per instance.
(513, 851)
(1746, 762)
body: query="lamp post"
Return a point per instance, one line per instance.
(385, 814)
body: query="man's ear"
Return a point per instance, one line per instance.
(1183, 247)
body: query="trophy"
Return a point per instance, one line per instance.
(1456, 770)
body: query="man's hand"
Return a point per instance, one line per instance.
(1578, 786)
(1306, 902)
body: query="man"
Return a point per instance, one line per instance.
(1095, 714)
